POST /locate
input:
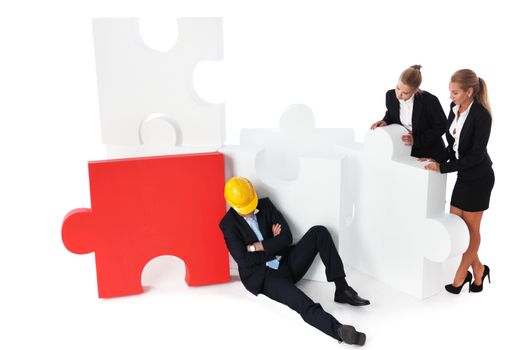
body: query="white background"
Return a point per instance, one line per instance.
(338, 57)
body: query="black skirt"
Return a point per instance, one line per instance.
(473, 195)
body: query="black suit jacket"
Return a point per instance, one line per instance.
(428, 124)
(238, 234)
(474, 160)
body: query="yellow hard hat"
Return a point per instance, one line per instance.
(240, 195)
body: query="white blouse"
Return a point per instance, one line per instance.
(405, 112)
(457, 125)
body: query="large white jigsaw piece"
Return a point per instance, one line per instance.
(298, 167)
(400, 233)
(148, 103)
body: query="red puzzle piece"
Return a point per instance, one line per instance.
(142, 208)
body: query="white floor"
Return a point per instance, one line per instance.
(49, 299)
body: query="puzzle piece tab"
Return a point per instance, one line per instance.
(143, 208)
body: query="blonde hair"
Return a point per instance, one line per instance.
(412, 76)
(466, 78)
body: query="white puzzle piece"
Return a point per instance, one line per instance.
(300, 170)
(148, 104)
(401, 234)
(297, 198)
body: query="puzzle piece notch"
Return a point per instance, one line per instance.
(209, 79)
(147, 207)
(159, 130)
(135, 81)
(160, 34)
(158, 135)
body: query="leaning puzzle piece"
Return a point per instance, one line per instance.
(298, 168)
(148, 104)
(147, 207)
(401, 234)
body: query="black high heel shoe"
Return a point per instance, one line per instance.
(455, 290)
(474, 287)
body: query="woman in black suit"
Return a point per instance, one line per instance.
(419, 112)
(468, 132)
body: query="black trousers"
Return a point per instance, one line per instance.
(280, 285)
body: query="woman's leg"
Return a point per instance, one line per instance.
(473, 220)
(470, 256)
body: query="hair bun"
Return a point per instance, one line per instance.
(416, 66)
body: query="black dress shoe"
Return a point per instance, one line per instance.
(349, 335)
(349, 296)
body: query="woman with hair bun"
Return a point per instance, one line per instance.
(468, 132)
(419, 112)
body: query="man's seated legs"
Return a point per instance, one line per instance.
(318, 240)
(278, 285)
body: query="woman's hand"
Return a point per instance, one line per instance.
(426, 160)
(378, 124)
(433, 166)
(407, 139)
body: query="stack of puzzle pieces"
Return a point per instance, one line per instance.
(160, 192)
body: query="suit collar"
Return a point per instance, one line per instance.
(261, 222)
(395, 109)
(246, 227)
(473, 109)
(416, 110)
(451, 115)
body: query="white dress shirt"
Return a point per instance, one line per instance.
(457, 125)
(405, 112)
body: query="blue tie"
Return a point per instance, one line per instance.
(252, 221)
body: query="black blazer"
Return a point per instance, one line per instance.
(428, 124)
(474, 160)
(238, 234)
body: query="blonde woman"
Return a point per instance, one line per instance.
(419, 112)
(468, 133)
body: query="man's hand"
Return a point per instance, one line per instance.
(378, 124)
(276, 229)
(407, 139)
(258, 247)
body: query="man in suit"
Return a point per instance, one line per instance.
(259, 240)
